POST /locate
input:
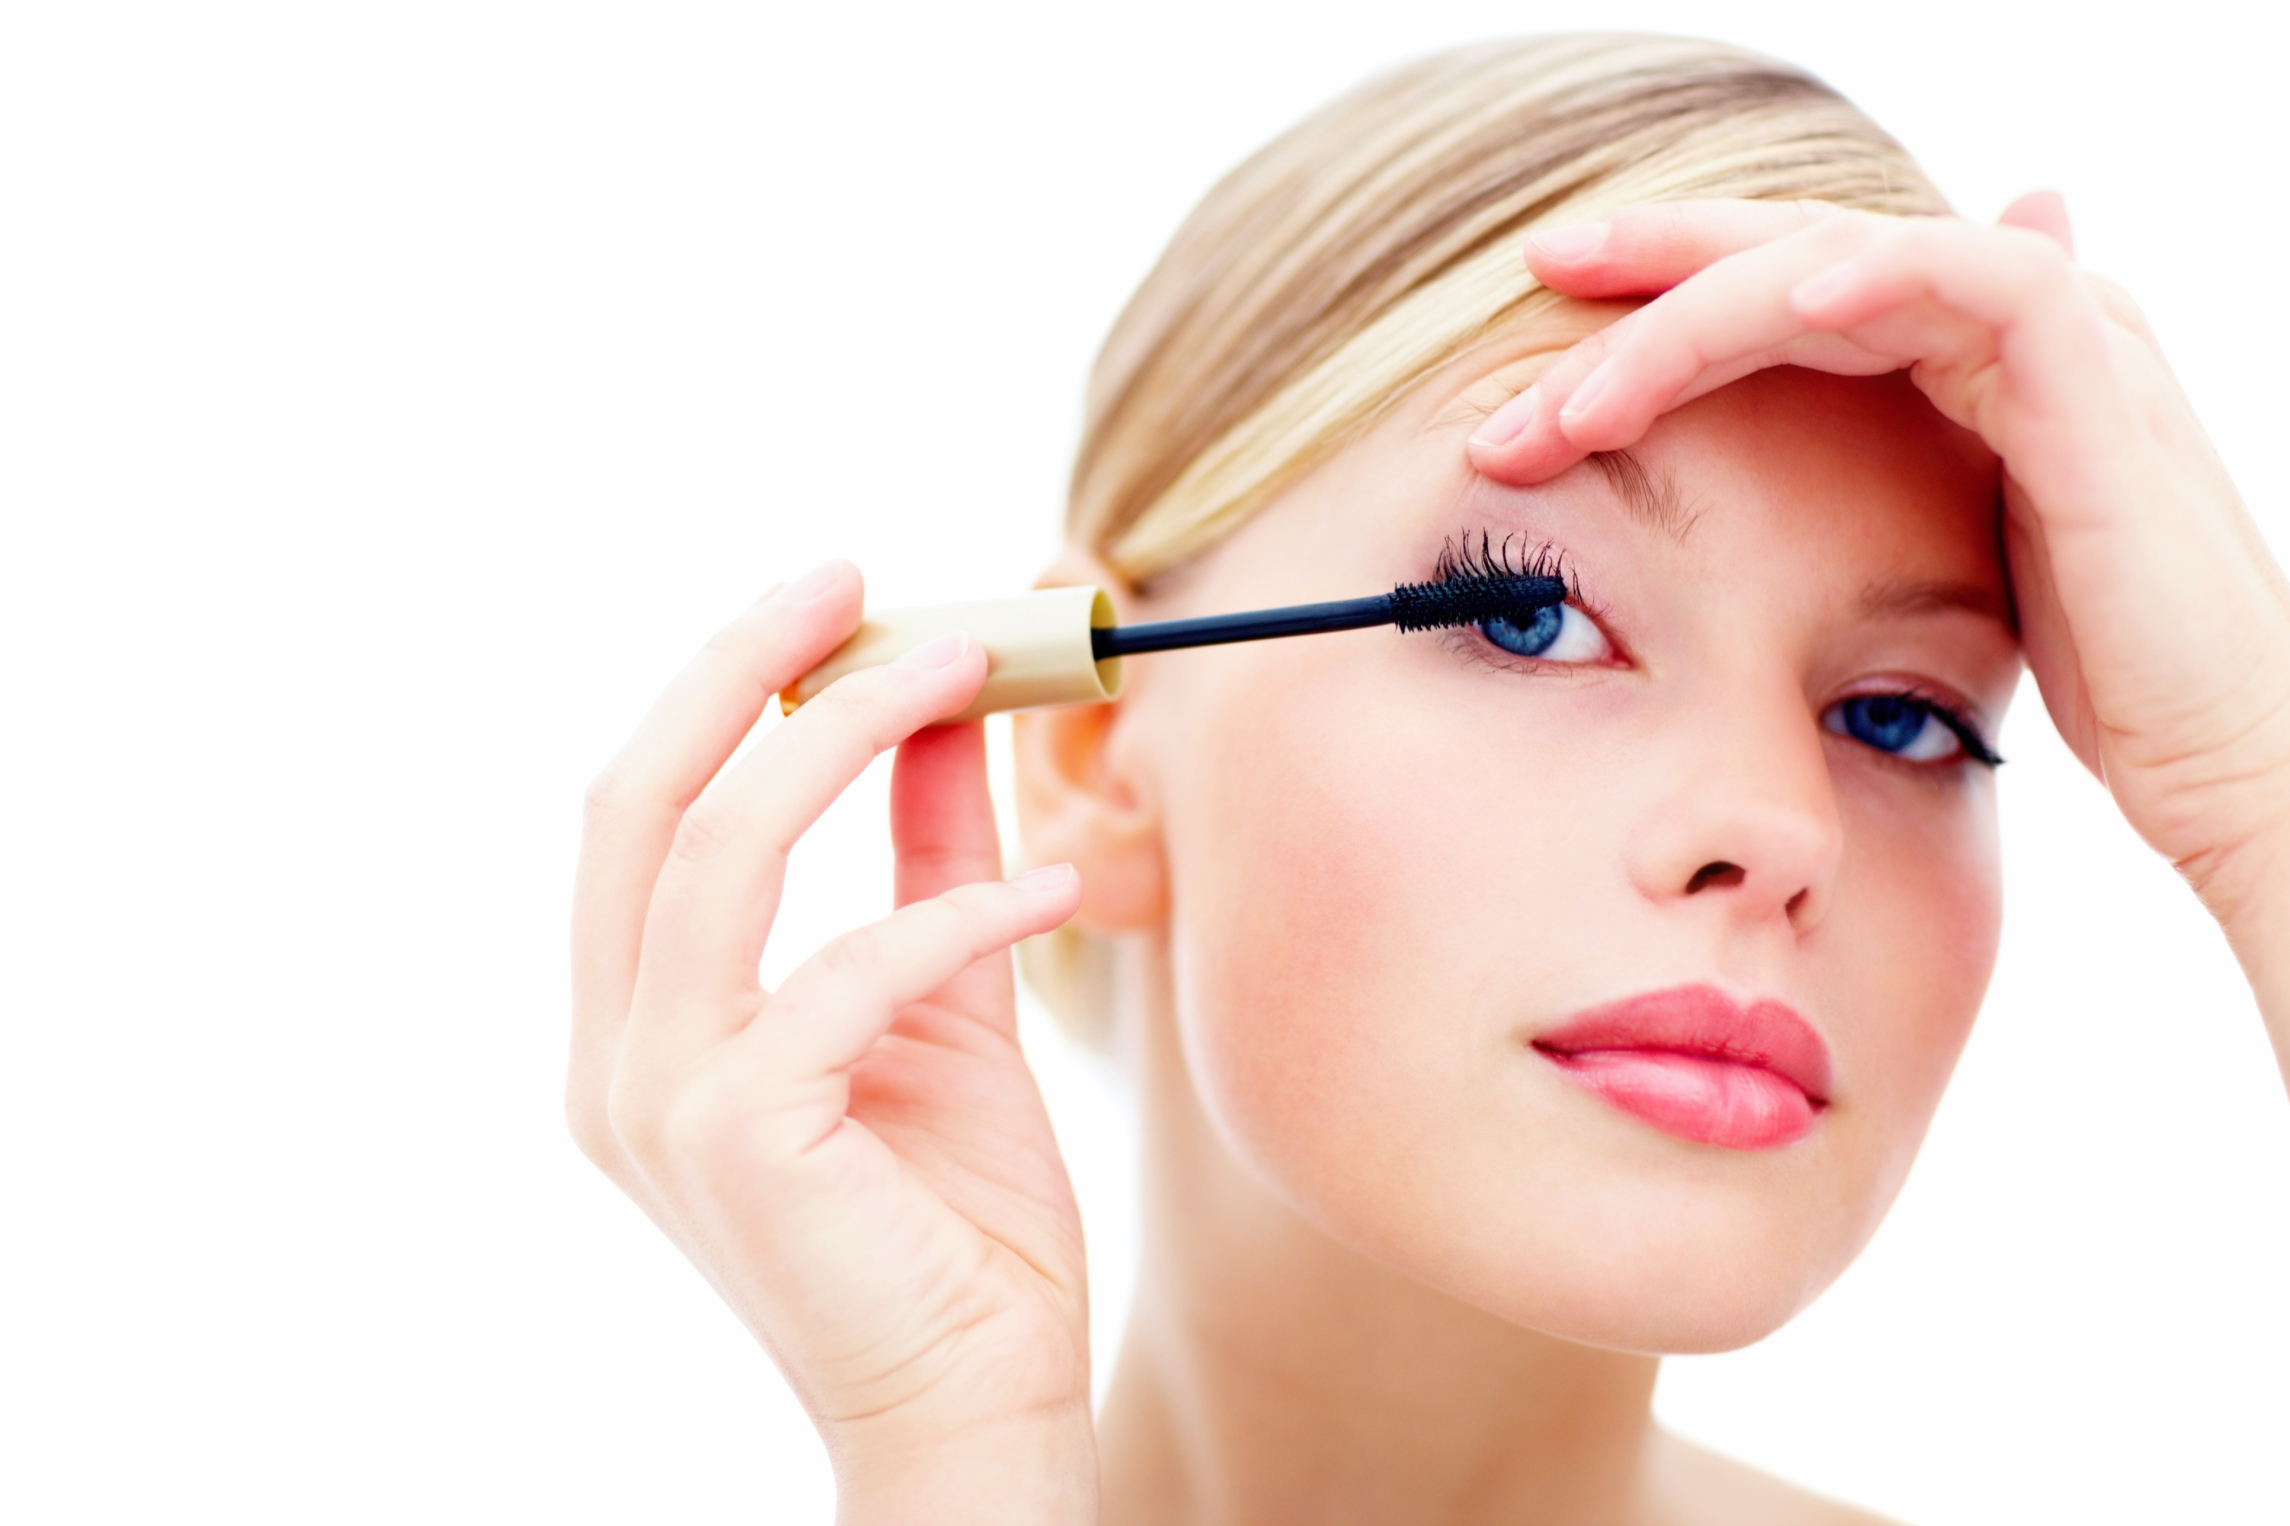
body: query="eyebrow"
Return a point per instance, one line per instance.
(1651, 498)
(1928, 596)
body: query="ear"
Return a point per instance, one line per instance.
(1080, 799)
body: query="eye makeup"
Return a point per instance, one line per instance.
(1568, 633)
(1914, 727)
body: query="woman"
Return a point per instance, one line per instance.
(1508, 1007)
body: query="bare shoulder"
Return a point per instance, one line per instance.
(1693, 1486)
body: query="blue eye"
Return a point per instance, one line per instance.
(1531, 639)
(1902, 725)
(1554, 633)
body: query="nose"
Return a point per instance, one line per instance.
(1748, 820)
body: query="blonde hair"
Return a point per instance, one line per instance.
(1381, 238)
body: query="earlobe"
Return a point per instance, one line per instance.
(1079, 801)
(1076, 805)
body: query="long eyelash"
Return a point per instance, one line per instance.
(1968, 735)
(1463, 564)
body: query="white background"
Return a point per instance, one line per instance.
(391, 396)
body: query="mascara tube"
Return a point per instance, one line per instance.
(1038, 649)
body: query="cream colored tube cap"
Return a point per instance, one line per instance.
(1037, 649)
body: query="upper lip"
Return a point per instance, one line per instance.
(1703, 1021)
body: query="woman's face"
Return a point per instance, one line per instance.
(1602, 971)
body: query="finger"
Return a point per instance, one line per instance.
(1533, 438)
(1644, 251)
(944, 834)
(2049, 332)
(2045, 637)
(1518, 443)
(942, 818)
(718, 890)
(635, 804)
(841, 1000)
(1730, 319)
(2043, 212)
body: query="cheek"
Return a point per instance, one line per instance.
(1919, 911)
(1308, 935)
(1356, 905)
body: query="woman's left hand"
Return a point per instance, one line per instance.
(2156, 621)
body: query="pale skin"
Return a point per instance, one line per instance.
(1398, 1267)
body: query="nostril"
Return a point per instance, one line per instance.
(1721, 876)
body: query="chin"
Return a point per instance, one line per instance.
(1709, 1310)
(1702, 1281)
(1631, 1244)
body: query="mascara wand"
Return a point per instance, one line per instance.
(1061, 646)
(1411, 607)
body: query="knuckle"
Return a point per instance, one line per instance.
(735, 639)
(846, 702)
(2038, 256)
(852, 957)
(591, 1129)
(601, 800)
(2117, 303)
(858, 712)
(1664, 219)
(1846, 231)
(950, 911)
(973, 915)
(630, 1123)
(705, 832)
(1592, 353)
(1913, 233)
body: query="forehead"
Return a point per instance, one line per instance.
(1852, 494)
(1811, 466)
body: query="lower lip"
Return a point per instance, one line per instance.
(1695, 1097)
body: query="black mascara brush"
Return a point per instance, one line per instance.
(1467, 600)
(1061, 646)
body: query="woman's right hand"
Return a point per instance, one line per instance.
(859, 1162)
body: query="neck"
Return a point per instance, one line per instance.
(1270, 1373)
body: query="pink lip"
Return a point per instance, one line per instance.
(1695, 1063)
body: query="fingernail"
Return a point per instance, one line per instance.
(1510, 421)
(816, 583)
(1053, 877)
(1586, 396)
(937, 652)
(1567, 245)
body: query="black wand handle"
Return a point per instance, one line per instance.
(1256, 625)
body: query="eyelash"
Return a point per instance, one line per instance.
(1463, 562)
(1460, 562)
(1947, 713)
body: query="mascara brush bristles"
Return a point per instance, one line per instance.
(1471, 600)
